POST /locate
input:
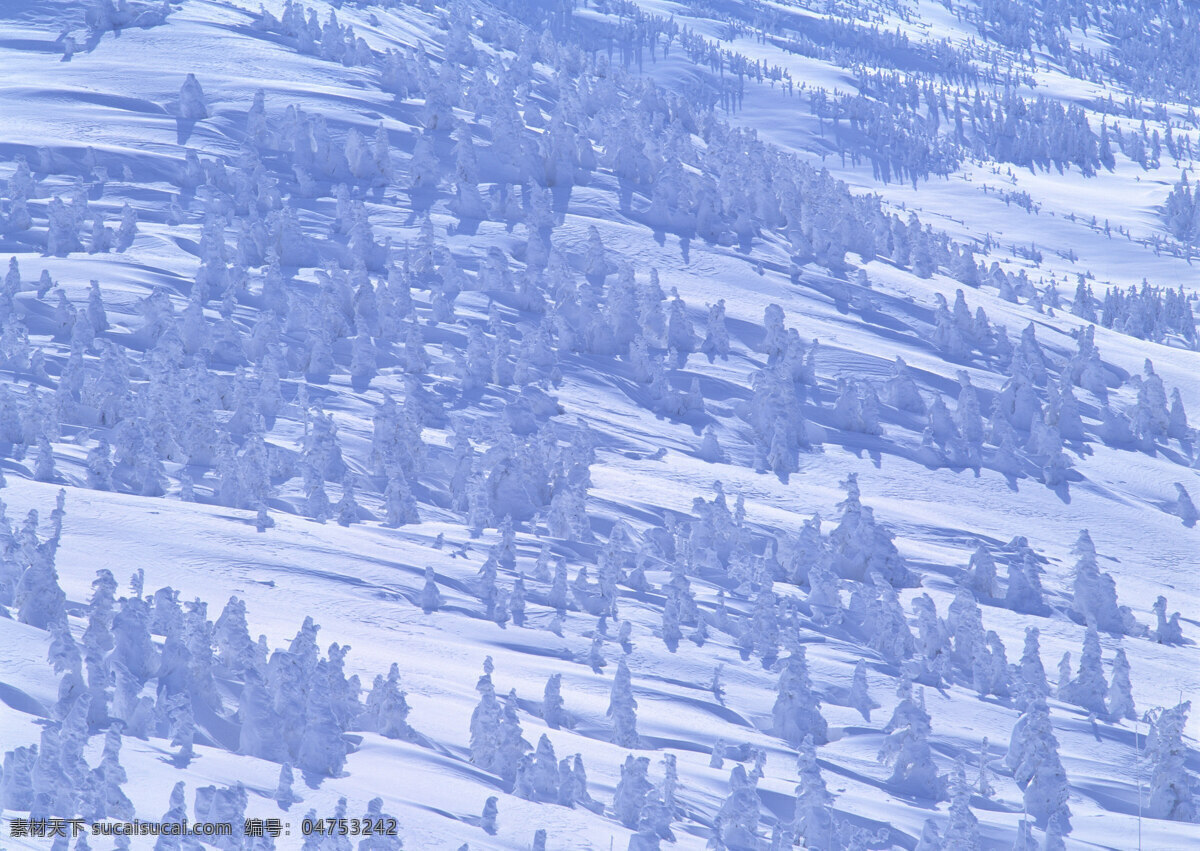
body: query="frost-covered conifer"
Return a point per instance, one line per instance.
(737, 821)
(933, 641)
(38, 597)
(1177, 423)
(990, 670)
(1033, 759)
(1024, 592)
(983, 783)
(907, 749)
(489, 592)
(347, 507)
(100, 466)
(1095, 592)
(511, 744)
(491, 813)
(901, 390)
(1151, 417)
(856, 408)
(1032, 675)
(176, 814)
(931, 837)
(191, 100)
(1167, 630)
(877, 606)
(1171, 787)
(962, 831)
(543, 772)
(859, 545)
(387, 709)
(259, 735)
(681, 335)
(671, 633)
(182, 725)
(399, 503)
(109, 799)
(859, 696)
(1184, 506)
(284, 796)
(16, 783)
(431, 597)
(485, 723)
(128, 229)
(622, 708)
(797, 711)
(235, 648)
(710, 446)
(647, 836)
(64, 653)
(1089, 688)
(553, 712)
(1120, 690)
(965, 623)
(133, 649)
(322, 747)
(981, 573)
(559, 597)
(824, 598)
(716, 337)
(631, 790)
(262, 520)
(363, 363)
(813, 819)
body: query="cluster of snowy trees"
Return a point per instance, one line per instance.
(294, 707)
(360, 314)
(1181, 213)
(295, 704)
(1029, 423)
(293, 288)
(330, 41)
(838, 37)
(928, 649)
(1146, 312)
(914, 130)
(1151, 40)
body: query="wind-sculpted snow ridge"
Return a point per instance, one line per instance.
(603, 425)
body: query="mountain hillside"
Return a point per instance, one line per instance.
(634, 424)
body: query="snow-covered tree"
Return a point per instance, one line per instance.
(859, 697)
(1167, 630)
(813, 820)
(1035, 764)
(1120, 690)
(631, 791)
(859, 545)
(962, 831)
(191, 100)
(738, 818)
(906, 748)
(387, 709)
(1095, 592)
(1088, 689)
(1171, 787)
(1031, 673)
(431, 597)
(622, 708)
(797, 711)
(553, 712)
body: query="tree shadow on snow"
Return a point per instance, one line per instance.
(183, 129)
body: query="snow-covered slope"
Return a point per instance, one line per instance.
(742, 373)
